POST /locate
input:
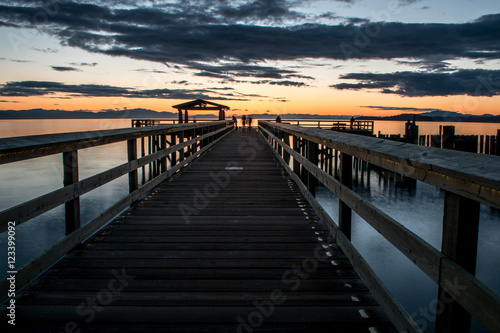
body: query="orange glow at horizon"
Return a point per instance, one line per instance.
(308, 101)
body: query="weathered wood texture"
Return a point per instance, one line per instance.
(229, 245)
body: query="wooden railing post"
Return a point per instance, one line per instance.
(133, 181)
(312, 156)
(286, 140)
(345, 174)
(72, 208)
(296, 164)
(181, 151)
(279, 135)
(163, 145)
(460, 237)
(173, 156)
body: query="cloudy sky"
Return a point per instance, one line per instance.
(340, 57)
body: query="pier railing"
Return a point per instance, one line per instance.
(336, 125)
(176, 144)
(166, 121)
(467, 179)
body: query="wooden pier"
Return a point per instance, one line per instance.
(229, 245)
(227, 236)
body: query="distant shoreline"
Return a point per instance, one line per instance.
(39, 114)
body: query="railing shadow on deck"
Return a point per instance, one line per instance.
(468, 180)
(179, 144)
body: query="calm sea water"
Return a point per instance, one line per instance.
(416, 205)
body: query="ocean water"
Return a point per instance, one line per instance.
(416, 205)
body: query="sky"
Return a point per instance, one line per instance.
(336, 57)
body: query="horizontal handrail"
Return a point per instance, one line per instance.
(27, 147)
(453, 173)
(471, 175)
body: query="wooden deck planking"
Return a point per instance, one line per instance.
(250, 238)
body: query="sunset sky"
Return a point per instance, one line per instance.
(337, 57)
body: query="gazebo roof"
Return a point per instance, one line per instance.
(200, 105)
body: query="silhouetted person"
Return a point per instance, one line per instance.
(243, 120)
(278, 119)
(249, 121)
(235, 122)
(352, 122)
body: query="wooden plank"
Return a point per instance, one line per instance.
(205, 298)
(219, 327)
(207, 263)
(197, 273)
(188, 315)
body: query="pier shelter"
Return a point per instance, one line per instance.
(200, 105)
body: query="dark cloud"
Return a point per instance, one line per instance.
(43, 88)
(429, 64)
(92, 64)
(19, 60)
(47, 50)
(65, 69)
(282, 83)
(154, 71)
(408, 2)
(347, 20)
(9, 25)
(265, 10)
(230, 71)
(474, 82)
(192, 31)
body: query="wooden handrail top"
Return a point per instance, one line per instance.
(26, 147)
(476, 176)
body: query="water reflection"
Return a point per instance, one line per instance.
(419, 207)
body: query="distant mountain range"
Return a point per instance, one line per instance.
(83, 114)
(441, 116)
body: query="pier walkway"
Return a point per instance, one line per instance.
(227, 245)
